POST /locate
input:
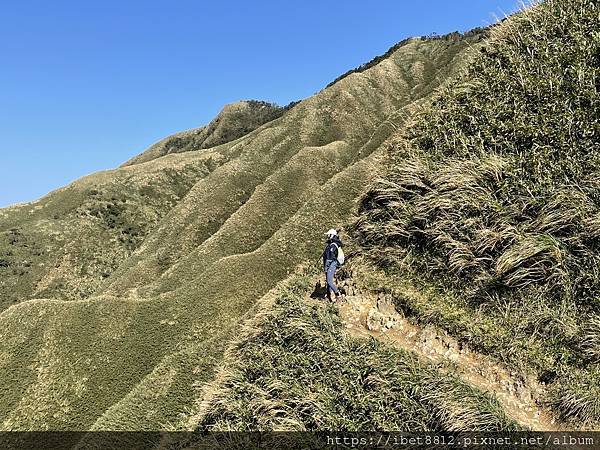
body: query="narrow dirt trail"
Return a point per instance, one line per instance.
(368, 315)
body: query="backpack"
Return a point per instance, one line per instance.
(341, 258)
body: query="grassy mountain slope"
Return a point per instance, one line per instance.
(67, 243)
(339, 122)
(124, 352)
(492, 202)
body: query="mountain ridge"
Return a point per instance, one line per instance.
(233, 121)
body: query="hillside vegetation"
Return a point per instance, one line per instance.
(491, 203)
(120, 292)
(296, 366)
(70, 241)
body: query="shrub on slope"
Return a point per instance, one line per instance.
(493, 191)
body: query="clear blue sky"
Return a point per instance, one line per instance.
(85, 85)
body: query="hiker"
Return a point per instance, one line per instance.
(333, 257)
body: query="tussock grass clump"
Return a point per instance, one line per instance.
(493, 191)
(591, 339)
(295, 369)
(577, 396)
(497, 180)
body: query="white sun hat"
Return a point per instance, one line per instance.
(331, 233)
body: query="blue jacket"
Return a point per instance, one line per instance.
(331, 250)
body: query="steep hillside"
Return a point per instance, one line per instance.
(67, 243)
(491, 205)
(121, 291)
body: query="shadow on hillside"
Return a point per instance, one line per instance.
(320, 291)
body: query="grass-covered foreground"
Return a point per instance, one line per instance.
(295, 368)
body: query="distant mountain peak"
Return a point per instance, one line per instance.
(233, 121)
